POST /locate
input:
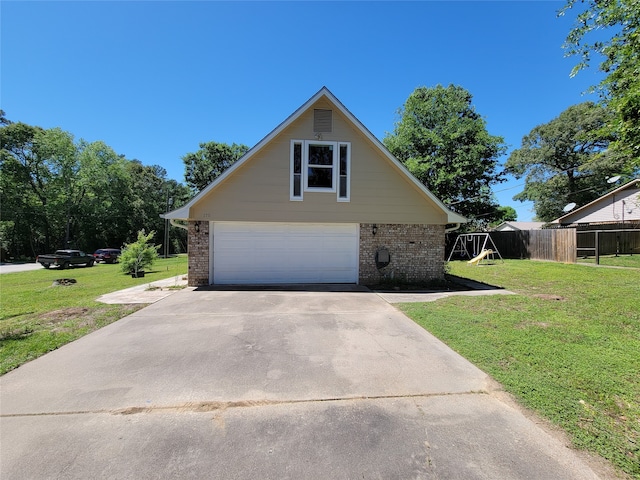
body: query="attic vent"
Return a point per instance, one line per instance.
(322, 121)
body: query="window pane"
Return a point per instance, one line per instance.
(343, 159)
(320, 154)
(320, 177)
(297, 183)
(343, 186)
(297, 158)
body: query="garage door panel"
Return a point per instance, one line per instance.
(285, 253)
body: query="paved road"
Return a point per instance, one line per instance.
(18, 267)
(269, 385)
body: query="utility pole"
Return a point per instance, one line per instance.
(166, 227)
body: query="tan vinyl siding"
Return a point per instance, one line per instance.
(260, 189)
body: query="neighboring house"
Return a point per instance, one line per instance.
(515, 226)
(318, 200)
(621, 205)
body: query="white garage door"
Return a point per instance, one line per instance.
(285, 253)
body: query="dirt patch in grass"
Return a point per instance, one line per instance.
(57, 316)
(548, 296)
(523, 325)
(69, 319)
(80, 318)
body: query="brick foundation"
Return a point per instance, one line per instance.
(416, 253)
(198, 249)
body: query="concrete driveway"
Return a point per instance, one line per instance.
(269, 385)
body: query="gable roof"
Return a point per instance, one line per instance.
(182, 213)
(521, 225)
(576, 213)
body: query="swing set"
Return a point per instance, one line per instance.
(475, 247)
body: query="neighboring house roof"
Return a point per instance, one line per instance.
(510, 226)
(621, 204)
(192, 209)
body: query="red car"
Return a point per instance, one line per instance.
(107, 255)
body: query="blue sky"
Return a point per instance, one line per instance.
(155, 79)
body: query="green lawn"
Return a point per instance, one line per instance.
(629, 261)
(567, 346)
(37, 317)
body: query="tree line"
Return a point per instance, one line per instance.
(56, 192)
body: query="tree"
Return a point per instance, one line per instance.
(563, 160)
(620, 60)
(24, 188)
(4, 120)
(138, 255)
(208, 163)
(504, 214)
(444, 143)
(103, 211)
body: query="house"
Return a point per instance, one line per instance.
(318, 200)
(516, 226)
(621, 205)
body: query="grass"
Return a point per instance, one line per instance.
(629, 261)
(37, 317)
(567, 346)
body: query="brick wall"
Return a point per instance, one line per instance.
(416, 253)
(198, 249)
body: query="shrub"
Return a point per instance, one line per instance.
(140, 254)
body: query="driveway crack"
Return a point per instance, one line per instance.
(215, 406)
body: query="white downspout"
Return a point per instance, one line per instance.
(452, 229)
(173, 222)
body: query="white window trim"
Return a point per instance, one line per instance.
(335, 180)
(292, 197)
(305, 168)
(347, 198)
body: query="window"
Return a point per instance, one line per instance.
(321, 163)
(320, 166)
(344, 166)
(296, 171)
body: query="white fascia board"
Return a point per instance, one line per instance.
(181, 213)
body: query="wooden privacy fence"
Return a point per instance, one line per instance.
(557, 245)
(609, 241)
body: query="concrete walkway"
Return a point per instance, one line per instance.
(272, 385)
(146, 293)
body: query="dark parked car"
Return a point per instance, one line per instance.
(65, 259)
(107, 255)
